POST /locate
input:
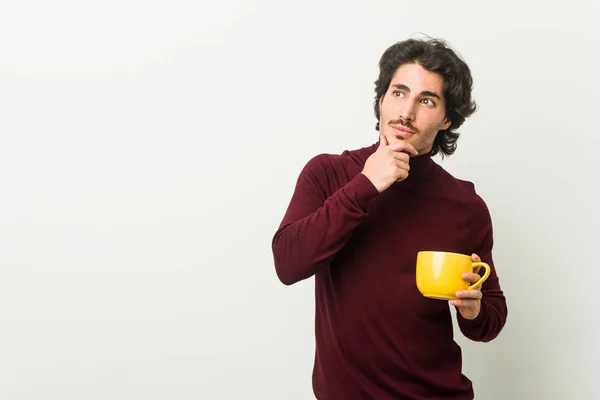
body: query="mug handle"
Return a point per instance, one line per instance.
(483, 278)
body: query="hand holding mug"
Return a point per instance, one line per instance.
(469, 301)
(454, 277)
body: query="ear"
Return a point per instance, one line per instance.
(380, 102)
(446, 124)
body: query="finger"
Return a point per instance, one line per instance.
(469, 294)
(404, 166)
(471, 277)
(405, 147)
(411, 149)
(402, 174)
(401, 156)
(464, 303)
(476, 258)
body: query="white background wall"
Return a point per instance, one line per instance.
(148, 151)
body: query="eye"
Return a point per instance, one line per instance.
(397, 93)
(428, 102)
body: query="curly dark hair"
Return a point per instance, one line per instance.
(435, 56)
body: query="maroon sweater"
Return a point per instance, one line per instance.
(377, 337)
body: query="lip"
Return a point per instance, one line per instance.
(402, 131)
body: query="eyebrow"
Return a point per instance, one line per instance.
(423, 93)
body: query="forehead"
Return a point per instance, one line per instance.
(418, 79)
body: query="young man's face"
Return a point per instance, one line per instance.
(413, 108)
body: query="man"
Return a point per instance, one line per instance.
(357, 220)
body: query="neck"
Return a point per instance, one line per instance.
(421, 166)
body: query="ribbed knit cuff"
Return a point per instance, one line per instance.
(361, 190)
(473, 323)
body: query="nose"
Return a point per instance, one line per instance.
(407, 110)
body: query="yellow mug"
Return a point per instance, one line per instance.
(439, 274)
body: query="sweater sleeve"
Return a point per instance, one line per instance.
(316, 226)
(492, 317)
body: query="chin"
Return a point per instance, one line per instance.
(410, 140)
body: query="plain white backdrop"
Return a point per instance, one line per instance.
(148, 151)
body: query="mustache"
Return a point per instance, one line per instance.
(404, 123)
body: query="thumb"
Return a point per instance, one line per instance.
(382, 140)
